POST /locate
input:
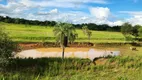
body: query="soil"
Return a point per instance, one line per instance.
(35, 45)
(27, 46)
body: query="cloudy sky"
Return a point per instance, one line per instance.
(112, 12)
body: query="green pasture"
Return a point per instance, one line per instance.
(32, 33)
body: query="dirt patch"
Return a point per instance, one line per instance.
(100, 61)
(26, 46)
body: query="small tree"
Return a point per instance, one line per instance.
(62, 32)
(135, 31)
(140, 32)
(87, 32)
(126, 30)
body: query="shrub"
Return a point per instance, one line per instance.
(6, 47)
(129, 38)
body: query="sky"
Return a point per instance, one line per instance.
(111, 12)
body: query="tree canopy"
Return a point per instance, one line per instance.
(126, 29)
(135, 30)
(63, 30)
(130, 31)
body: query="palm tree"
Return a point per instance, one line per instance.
(87, 32)
(62, 32)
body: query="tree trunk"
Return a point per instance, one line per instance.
(89, 39)
(63, 50)
(65, 41)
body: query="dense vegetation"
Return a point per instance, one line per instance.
(116, 68)
(130, 31)
(6, 48)
(26, 22)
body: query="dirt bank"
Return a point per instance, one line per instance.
(34, 45)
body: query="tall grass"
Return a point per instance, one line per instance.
(115, 68)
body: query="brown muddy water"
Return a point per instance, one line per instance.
(83, 53)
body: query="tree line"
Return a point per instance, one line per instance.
(26, 22)
(91, 26)
(101, 27)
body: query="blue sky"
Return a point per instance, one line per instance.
(111, 12)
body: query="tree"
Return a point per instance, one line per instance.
(62, 32)
(135, 30)
(140, 32)
(87, 32)
(126, 30)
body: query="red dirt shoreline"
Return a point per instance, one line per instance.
(34, 45)
(25, 46)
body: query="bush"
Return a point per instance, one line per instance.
(6, 47)
(129, 38)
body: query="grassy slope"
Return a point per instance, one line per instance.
(21, 33)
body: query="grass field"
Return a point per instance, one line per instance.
(30, 33)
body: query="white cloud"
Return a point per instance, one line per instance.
(51, 12)
(54, 11)
(100, 12)
(101, 15)
(131, 12)
(12, 8)
(85, 1)
(136, 17)
(115, 23)
(60, 3)
(135, 20)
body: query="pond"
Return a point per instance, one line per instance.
(89, 53)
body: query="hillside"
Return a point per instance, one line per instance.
(32, 33)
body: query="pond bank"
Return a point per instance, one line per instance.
(34, 45)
